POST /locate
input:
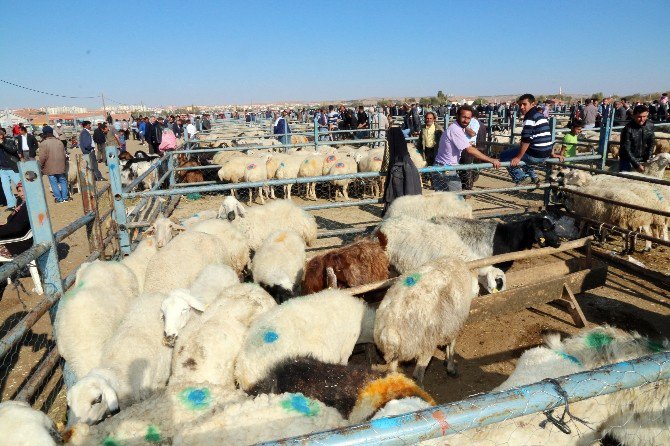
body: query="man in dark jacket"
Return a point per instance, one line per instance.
(86, 146)
(206, 123)
(154, 134)
(27, 144)
(411, 122)
(620, 117)
(99, 140)
(637, 141)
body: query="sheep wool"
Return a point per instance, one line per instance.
(22, 425)
(138, 260)
(265, 418)
(212, 280)
(433, 204)
(278, 264)
(236, 246)
(245, 302)
(424, 310)
(324, 325)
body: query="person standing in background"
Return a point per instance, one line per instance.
(99, 140)
(27, 144)
(9, 168)
(86, 146)
(54, 164)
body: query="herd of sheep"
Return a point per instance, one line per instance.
(218, 330)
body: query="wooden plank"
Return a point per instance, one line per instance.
(517, 299)
(568, 299)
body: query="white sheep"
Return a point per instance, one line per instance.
(411, 243)
(324, 325)
(236, 246)
(134, 364)
(266, 417)
(163, 229)
(278, 264)
(427, 206)
(90, 312)
(424, 310)
(179, 263)
(344, 165)
(290, 168)
(255, 171)
(21, 425)
(233, 170)
(157, 419)
(212, 280)
(272, 165)
(259, 222)
(371, 161)
(312, 166)
(138, 260)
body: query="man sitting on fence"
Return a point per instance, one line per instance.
(453, 143)
(637, 141)
(536, 143)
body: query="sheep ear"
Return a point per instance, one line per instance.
(195, 303)
(222, 212)
(240, 210)
(110, 397)
(331, 278)
(151, 230)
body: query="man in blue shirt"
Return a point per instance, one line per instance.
(536, 143)
(86, 146)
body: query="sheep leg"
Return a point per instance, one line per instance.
(391, 367)
(420, 369)
(450, 360)
(647, 243)
(345, 192)
(260, 195)
(251, 197)
(272, 193)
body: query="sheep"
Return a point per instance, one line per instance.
(371, 162)
(232, 171)
(290, 168)
(134, 364)
(158, 418)
(266, 417)
(411, 243)
(256, 171)
(636, 416)
(188, 176)
(361, 262)
(278, 264)
(272, 165)
(325, 325)
(177, 307)
(259, 222)
(23, 426)
(357, 392)
(138, 260)
(344, 165)
(422, 311)
(487, 238)
(313, 166)
(427, 206)
(90, 312)
(206, 214)
(402, 406)
(72, 177)
(163, 229)
(236, 251)
(416, 156)
(179, 263)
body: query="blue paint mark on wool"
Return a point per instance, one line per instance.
(658, 195)
(412, 280)
(386, 423)
(299, 403)
(270, 336)
(197, 398)
(569, 357)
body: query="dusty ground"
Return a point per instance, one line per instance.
(486, 351)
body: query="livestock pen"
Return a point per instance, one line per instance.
(493, 197)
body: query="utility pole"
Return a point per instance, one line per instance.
(104, 108)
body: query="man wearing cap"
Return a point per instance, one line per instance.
(54, 164)
(27, 144)
(61, 134)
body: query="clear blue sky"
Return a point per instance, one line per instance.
(214, 52)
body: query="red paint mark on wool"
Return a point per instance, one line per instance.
(439, 417)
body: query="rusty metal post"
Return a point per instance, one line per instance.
(89, 199)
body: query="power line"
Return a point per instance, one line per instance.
(47, 93)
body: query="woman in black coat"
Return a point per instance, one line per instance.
(402, 176)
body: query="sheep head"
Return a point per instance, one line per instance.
(545, 232)
(176, 311)
(163, 229)
(231, 208)
(91, 399)
(492, 279)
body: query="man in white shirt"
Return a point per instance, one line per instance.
(27, 144)
(190, 129)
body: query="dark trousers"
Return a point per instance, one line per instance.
(153, 148)
(93, 165)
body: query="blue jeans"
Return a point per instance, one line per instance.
(519, 173)
(58, 184)
(448, 181)
(8, 176)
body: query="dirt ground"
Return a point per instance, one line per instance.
(487, 351)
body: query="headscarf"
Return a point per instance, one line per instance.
(398, 152)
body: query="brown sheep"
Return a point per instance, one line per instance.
(363, 261)
(188, 176)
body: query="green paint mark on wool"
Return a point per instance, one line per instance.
(109, 441)
(152, 435)
(195, 398)
(411, 280)
(598, 340)
(194, 196)
(298, 403)
(655, 346)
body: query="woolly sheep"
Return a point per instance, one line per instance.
(636, 416)
(272, 165)
(207, 348)
(138, 260)
(179, 263)
(427, 206)
(266, 417)
(21, 425)
(90, 312)
(259, 222)
(134, 364)
(233, 170)
(178, 306)
(416, 156)
(313, 166)
(356, 391)
(278, 264)
(255, 171)
(290, 168)
(425, 310)
(402, 406)
(163, 229)
(157, 419)
(236, 247)
(324, 325)
(411, 243)
(371, 161)
(344, 165)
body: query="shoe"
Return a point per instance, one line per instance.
(524, 181)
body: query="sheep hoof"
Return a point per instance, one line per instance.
(452, 371)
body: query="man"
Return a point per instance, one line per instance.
(142, 129)
(206, 123)
(124, 129)
(429, 138)
(61, 135)
(190, 129)
(570, 139)
(86, 146)
(54, 164)
(9, 168)
(154, 134)
(112, 138)
(332, 118)
(637, 141)
(620, 117)
(282, 128)
(590, 114)
(663, 107)
(411, 122)
(380, 123)
(363, 123)
(99, 140)
(453, 143)
(536, 144)
(27, 144)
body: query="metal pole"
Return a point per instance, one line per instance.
(40, 222)
(119, 205)
(316, 136)
(171, 166)
(511, 128)
(604, 138)
(90, 204)
(547, 167)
